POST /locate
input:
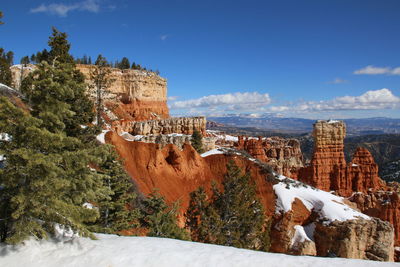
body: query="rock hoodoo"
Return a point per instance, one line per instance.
(328, 169)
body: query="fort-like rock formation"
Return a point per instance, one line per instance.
(140, 95)
(328, 169)
(284, 155)
(133, 94)
(184, 125)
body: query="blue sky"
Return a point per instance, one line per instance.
(312, 59)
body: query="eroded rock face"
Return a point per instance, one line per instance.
(133, 95)
(284, 155)
(139, 95)
(328, 169)
(165, 126)
(381, 204)
(358, 239)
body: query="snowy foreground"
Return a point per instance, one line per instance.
(115, 251)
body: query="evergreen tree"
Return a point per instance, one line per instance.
(160, 219)
(124, 63)
(45, 179)
(240, 210)
(25, 60)
(6, 60)
(233, 216)
(201, 218)
(57, 95)
(197, 142)
(118, 210)
(101, 79)
(59, 47)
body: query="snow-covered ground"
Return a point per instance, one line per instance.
(115, 251)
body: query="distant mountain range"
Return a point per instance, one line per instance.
(379, 125)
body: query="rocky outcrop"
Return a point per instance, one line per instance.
(176, 173)
(328, 165)
(328, 169)
(138, 95)
(381, 204)
(284, 155)
(178, 140)
(359, 239)
(166, 126)
(133, 95)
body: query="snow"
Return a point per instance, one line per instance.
(101, 137)
(333, 121)
(299, 235)
(354, 165)
(215, 151)
(329, 206)
(7, 87)
(116, 251)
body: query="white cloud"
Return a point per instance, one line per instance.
(164, 37)
(370, 100)
(62, 10)
(372, 70)
(235, 101)
(172, 98)
(338, 81)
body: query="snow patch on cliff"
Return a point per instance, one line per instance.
(328, 206)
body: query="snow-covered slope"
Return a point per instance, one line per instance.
(328, 206)
(115, 251)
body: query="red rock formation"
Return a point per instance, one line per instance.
(363, 172)
(284, 155)
(328, 169)
(176, 173)
(382, 204)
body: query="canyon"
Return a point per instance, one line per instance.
(157, 154)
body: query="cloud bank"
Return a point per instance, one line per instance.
(372, 70)
(62, 10)
(235, 101)
(257, 103)
(370, 100)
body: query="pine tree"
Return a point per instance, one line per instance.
(160, 219)
(25, 60)
(59, 47)
(100, 75)
(6, 60)
(232, 217)
(124, 63)
(45, 179)
(197, 142)
(200, 217)
(118, 211)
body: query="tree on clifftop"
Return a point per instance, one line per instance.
(6, 61)
(197, 142)
(100, 75)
